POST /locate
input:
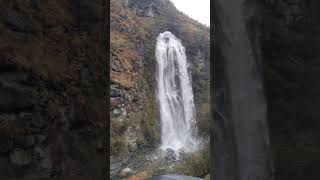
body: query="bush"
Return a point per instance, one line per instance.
(196, 164)
(118, 146)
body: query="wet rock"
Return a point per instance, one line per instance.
(150, 13)
(125, 172)
(170, 155)
(21, 157)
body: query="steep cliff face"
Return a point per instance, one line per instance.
(135, 26)
(289, 36)
(241, 138)
(290, 44)
(52, 90)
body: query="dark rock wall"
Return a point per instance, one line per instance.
(289, 34)
(52, 90)
(290, 45)
(240, 136)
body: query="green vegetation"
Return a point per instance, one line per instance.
(195, 164)
(118, 144)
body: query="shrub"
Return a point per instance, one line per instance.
(118, 146)
(195, 164)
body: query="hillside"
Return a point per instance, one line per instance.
(135, 25)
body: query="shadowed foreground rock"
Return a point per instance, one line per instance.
(52, 90)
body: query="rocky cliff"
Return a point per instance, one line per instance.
(288, 33)
(240, 136)
(52, 90)
(290, 45)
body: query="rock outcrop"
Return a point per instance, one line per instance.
(290, 46)
(240, 135)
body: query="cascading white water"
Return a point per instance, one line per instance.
(175, 95)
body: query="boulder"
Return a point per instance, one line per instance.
(125, 172)
(170, 155)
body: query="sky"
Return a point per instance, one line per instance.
(196, 9)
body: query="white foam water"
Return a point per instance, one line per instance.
(175, 95)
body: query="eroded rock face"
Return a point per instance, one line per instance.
(290, 45)
(52, 90)
(144, 8)
(240, 131)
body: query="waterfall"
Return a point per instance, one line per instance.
(175, 95)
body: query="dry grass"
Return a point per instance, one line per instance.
(195, 164)
(144, 175)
